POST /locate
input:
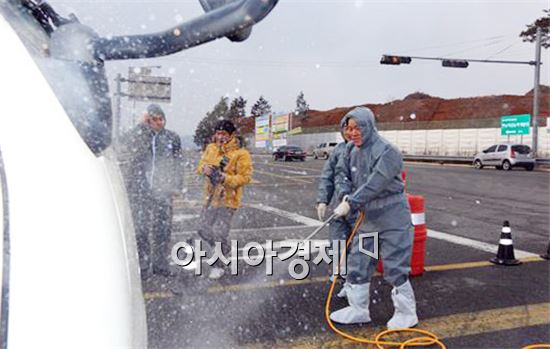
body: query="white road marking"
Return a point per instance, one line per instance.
(250, 230)
(459, 240)
(310, 222)
(304, 173)
(185, 217)
(478, 245)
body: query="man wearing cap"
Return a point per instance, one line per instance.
(227, 168)
(153, 166)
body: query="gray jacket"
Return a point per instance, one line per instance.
(152, 161)
(328, 176)
(165, 175)
(371, 174)
(327, 181)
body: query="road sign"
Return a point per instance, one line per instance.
(143, 86)
(512, 125)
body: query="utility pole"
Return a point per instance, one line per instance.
(536, 95)
(116, 121)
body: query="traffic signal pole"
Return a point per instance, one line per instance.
(536, 95)
(464, 62)
(393, 60)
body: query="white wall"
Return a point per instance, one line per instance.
(305, 141)
(444, 142)
(459, 142)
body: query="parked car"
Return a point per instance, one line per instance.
(323, 150)
(505, 156)
(289, 152)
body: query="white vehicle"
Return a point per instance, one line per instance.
(505, 156)
(69, 266)
(323, 150)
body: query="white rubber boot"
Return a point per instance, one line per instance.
(404, 303)
(343, 292)
(358, 310)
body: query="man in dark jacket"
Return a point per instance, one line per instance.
(152, 165)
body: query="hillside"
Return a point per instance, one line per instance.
(419, 110)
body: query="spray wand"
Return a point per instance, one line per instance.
(332, 217)
(319, 228)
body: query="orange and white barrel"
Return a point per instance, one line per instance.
(418, 218)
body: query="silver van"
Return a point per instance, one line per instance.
(323, 150)
(504, 156)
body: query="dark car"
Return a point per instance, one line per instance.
(289, 152)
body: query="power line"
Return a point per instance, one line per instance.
(283, 64)
(501, 51)
(474, 47)
(456, 43)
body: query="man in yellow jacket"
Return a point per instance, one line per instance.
(227, 168)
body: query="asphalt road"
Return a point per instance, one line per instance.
(461, 297)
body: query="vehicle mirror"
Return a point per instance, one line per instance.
(77, 51)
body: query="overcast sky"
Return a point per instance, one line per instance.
(331, 50)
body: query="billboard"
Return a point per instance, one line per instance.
(142, 86)
(279, 139)
(280, 129)
(262, 131)
(296, 131)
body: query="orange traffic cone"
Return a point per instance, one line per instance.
(505, 253)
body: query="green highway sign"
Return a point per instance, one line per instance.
(512, 125)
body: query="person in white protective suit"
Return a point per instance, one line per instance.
(371, 175)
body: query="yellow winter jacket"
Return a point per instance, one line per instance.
(238, 172)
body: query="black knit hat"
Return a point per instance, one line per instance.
(156, 110)
(225, 125)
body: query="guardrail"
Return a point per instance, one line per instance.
(545, 162)
(457, 159)
(440, 159)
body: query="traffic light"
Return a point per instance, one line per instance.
(395, 60)
(453, 63)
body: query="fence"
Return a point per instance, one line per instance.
(439, 142)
